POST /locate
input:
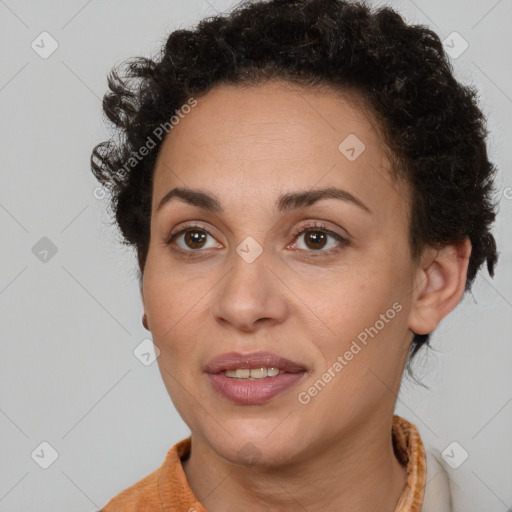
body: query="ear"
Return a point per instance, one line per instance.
(440, 284)
(144, 315)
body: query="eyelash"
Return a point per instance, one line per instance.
(312, 226)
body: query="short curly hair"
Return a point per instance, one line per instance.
(429, 121)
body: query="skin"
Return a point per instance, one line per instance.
(246, 146)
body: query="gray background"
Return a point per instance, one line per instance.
(69, 325)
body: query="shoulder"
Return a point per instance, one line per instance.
(161, 487)
(141, 496)
(438, 495)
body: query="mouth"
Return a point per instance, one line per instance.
(252, 379)
(256, 365)
(253, 374)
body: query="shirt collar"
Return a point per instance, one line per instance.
(410, 452)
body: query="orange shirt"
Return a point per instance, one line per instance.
(167, 488)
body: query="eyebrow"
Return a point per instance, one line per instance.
(285, 202)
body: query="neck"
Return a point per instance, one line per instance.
(357, 473)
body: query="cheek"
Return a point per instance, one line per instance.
(354, 299)
(364, 319)
(162, 304)
(176, 314)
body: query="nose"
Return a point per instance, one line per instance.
(250, 295)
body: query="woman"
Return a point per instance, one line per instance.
(308, 191)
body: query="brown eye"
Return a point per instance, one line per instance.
(194, 239)
(316, 238)
(191, 238)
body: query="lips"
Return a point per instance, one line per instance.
(236, 360)
(244, 391)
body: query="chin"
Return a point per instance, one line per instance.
(257, 446)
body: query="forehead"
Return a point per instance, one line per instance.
(272, 112)
(276, 137)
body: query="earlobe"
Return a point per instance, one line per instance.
(440, 286)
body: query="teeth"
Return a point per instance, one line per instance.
(255, 373)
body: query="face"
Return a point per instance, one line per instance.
(325, 283)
